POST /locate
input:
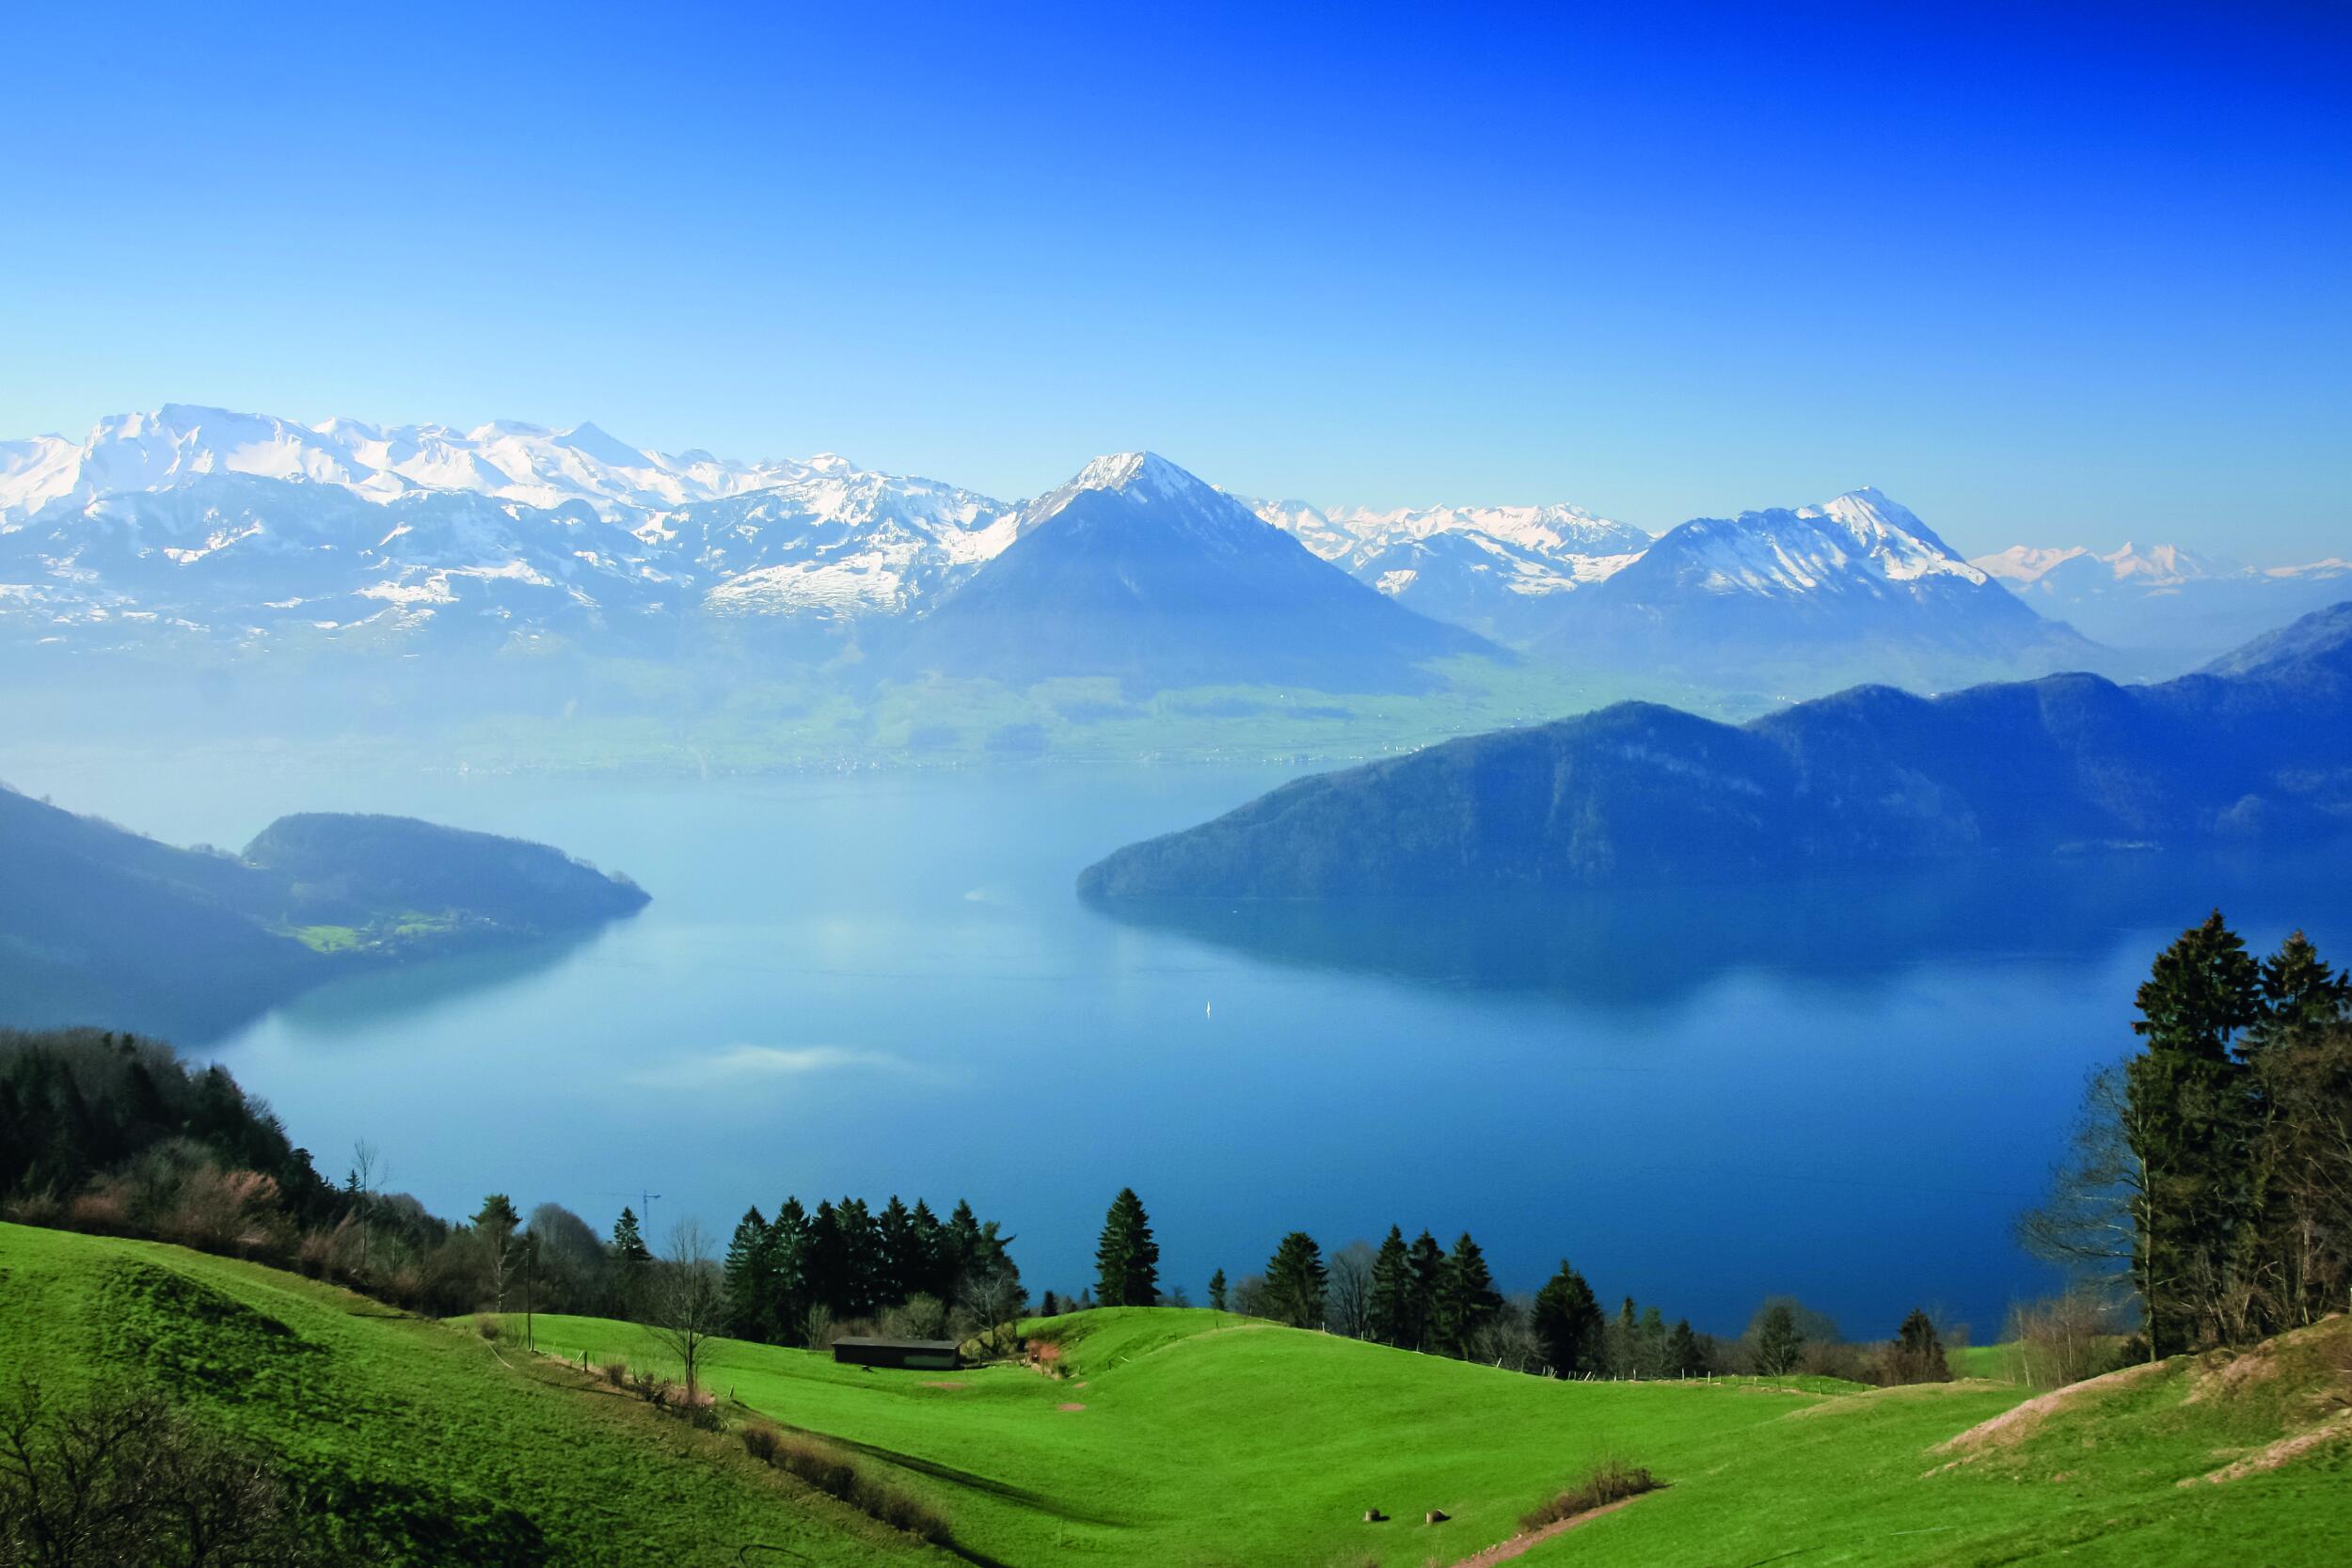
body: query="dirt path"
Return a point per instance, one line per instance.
(1527, 1540)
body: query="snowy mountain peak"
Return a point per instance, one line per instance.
(2151, 566)
(1138, 476)
(1145, 473)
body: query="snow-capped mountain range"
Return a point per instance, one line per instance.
(244, 527)
(1499, 570)
(2163, 598)
(522, 463)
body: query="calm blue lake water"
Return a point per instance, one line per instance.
(885, 983)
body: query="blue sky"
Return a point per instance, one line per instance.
(2062, 273)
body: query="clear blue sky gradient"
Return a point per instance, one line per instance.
(2059, 273)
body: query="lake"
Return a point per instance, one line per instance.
(883, 983)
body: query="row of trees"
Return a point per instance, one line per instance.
(792, 1279)
(2208, 1187)
(1420, 1295)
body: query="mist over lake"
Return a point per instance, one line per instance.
(883, 982)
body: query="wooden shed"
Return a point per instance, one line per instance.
(929, 1355)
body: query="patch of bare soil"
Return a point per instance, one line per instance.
(946, 1383)
(2014, 1426)
(2278, 1453)
(1069, 1404)
(1527, 1540)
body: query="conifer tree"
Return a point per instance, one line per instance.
(1217, 1290)
(630, 1262)
(931, 1246)
(1567, 1324)
(788, 1266)
(1389, 1314)
(960, 1249)
(1779, 1343)
(1917, 1354)
(1685, 1355)
(861, 1259)
(2300, 996)
(1467, 1299)
(1047, 1306)
(748, 1277)
(1424, 1261)
(1294, 1282)
(1127, 1259)
(2187, 1122)
(826, 1269)
(901, 1271)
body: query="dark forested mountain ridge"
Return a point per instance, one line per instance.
(102, 924)
(2257, 748)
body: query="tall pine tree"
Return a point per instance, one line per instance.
(1294, 1282)
(1424, 1261)
(631, 1263)
(2188, 1123)
(750, 1284)
(1467, 1299)
(1567, 1324)
(1391, 1310)
(1127, 1259)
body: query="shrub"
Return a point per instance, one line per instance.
(760, 1441)
(1612, 1480)
(99, 1214)
(614, 1371)
(832, 1474)
(486, 1325)
(42, 1207)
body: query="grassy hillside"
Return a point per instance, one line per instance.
(1187, 1437)
(1190, 1437)
(430, 1445)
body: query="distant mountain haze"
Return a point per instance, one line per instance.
(2164, 598)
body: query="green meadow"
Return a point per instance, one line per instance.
(434, 1445)
(1177, 1436)
(1191, 1438)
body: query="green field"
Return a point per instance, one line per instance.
(1185, 1437)
(446, 1448)
(1207, 1439)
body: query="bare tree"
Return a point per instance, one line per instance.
(368, 1175)
(120, 1476)
(689, 1299)
(2064, 1339)
(1347, 1293)
(2098, 1208)
(994, 1297)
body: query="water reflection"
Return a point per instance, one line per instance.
(1648, 949)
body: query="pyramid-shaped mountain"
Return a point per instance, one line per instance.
(1136, 569)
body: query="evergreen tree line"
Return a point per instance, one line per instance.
(802, 1276)
(1422, 1297)
(2208, 1188)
